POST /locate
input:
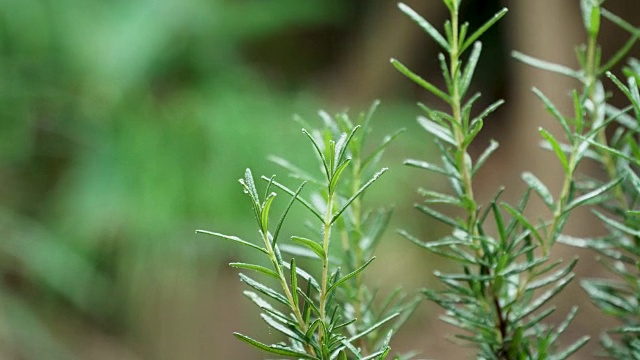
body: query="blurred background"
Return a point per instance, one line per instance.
(125, 124)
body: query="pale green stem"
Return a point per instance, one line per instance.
(325, 262)
(287, 291)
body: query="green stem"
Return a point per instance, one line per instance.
(459, 128)
(325, 263)
(287, 291)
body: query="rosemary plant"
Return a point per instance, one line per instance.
(499, 298)
(619, 157)
(329, 313)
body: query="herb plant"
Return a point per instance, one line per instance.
(618, 156)
(501, 296)
(496, 298)
(330, 313)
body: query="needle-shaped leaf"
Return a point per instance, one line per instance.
(522, 220)
(233, 238)
(336, 175)
(552, 278)
(311, 245)
(264, 212)
(553, 110)
(539, 187)
(319, 152)
(258, 268)
(470, 69)
(543, 298)
(432, 31)
(420, 81)
(476, 34)
(294, 171)
(357, 193)
(592, 196)
(431, 167)
(376, 153)
(341, 281)
(274, 349)
(342, 146)
(296, 196)
(293, 276)
(545, 65)
(438, 131)
(557, 149)
(265, 290)
(493, 146)
(617, 225)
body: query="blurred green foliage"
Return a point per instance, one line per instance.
(121, 125)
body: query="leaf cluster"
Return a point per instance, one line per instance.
(616, 196)
(501, 296)
(331, 313)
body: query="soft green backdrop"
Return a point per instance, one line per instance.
(124, 126)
